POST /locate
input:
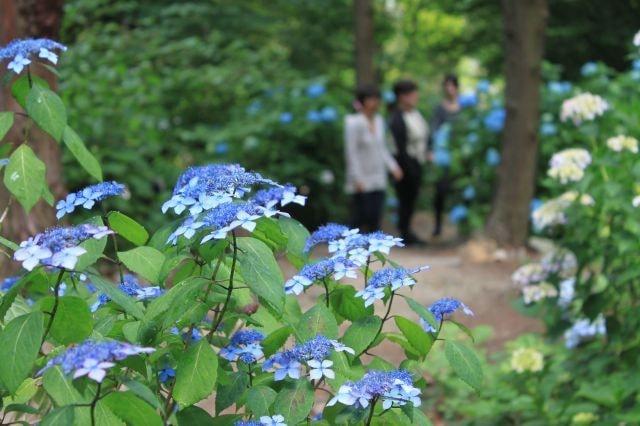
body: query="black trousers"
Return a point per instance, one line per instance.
(439, 200)
(367, 210)
(407, 191)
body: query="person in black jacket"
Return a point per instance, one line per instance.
(410, 133)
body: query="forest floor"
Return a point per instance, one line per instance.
(461, 269)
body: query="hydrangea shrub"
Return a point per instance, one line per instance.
(196, 323)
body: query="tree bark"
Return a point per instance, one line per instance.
(21, 19)
(364, 42)
(524, 28)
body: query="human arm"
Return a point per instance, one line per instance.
(352, 157)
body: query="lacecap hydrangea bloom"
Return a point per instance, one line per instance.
(275, 420)
(93, 358)
(584, 329)
(568, 165)
(527, 359)
(387, 278)
(58, 247)
(131, 287)
(333, 267)
(553, 212)
(538, 292)
(325, 234)
(441, 309)
(560, 262)
(22, 51)
(528, 274)
(245, 346)
(88, 196)
(621, 142)
(314, 353)
(583, 107)
(394, 388)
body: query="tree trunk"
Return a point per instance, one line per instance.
(524, 28)
(364, 41)
(21, 19)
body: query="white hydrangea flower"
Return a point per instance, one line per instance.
(583, 107)
(621, 142)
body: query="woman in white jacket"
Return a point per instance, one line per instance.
(368, 160)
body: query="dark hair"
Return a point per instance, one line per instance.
(451, 78)
(402, 87)
(366, 91)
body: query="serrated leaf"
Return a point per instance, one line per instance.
(296, 235)
(21, 87)
(59, 417)
(196, 374)
(144, 261)
(133, 410)
(415, 335)
(194, 416)
(128, 228)
(24, 176)
(361, 333)
(275, 340)
(317, 320)
(344, 302)
(231, 392)
(464, 362)
(117, 296)
(259, 399)
(47, 110)
(19, 347)
(261, 272)
(95, 248)
(85, 158)
(72, 322)
(294, 402)
(6, 121)
(422, 312)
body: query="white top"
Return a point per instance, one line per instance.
(417, 134)
(366, 153)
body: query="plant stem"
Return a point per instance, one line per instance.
(370, 417)
(366, 271)
(93, 405)
(384, 319)
(217, 322)
(326, 291)
(213, 277)
(56, 290)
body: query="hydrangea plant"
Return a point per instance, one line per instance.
(196, 324)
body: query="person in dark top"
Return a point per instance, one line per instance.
(410, 132)
(446, 112)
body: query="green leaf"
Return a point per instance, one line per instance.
(21, 87)
(261, 272)
(361, 333)
(231, 392)
(117, 296)
(60, 417)
(128, 228)
(415, 335)
(6, 121)
(8, 244)
(275, 340)
(317, 320)
(464, 329)
(196, 374)
(10, 296)
(344, 302)
(25, 176)
(19, 346)
(62, 392)
(259, 399)
(464, 362)
(47, 110)
(145, 261)
(422, 312)
(94, 248)
(133, 410)
(143, 392)
(85, 158)
(294, 402)
(297, 236)
(72, 322)
(194, 416)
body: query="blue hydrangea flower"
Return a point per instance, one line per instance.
(58, 247)
(314, 116)
(21, 51)
(338, 267)
(469, 192)
(88, 196)
(9, 282)
(441, 309)
(535, 204)
(391, 278)
(254, 107)
(458, 213)
(589, 69)
(131, 287)
(245, 345)
(584, 329)
(328, 114)
(222, 148)
(468, 100)
(492, 157)
(247, 423)
(388, 96)
(635, 65)
(192, 337)
(92, 358)
(473, 138)
(166, 374)
(325, 234)
(559, 87)
(229, 216)
(288, 363)
(286, 117)
(187, 229)
(283, 195)
(441, 157)
(441, 136)
(394, 388)
(276, 420)
(548, 129)
(315, 90)
(483, 86)
(494, 120)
